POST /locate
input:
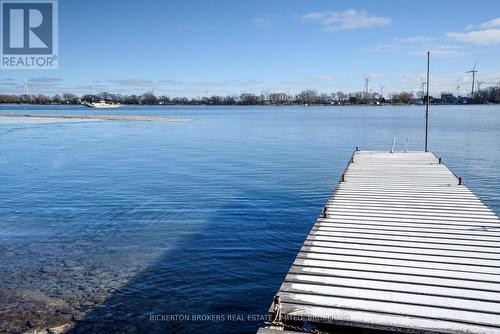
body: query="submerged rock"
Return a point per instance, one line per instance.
(27, 311)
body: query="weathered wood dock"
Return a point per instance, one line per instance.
(402, 245)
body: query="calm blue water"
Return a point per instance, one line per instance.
(119, 220)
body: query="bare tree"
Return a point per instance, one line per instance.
(69, 98)
(279, 98)
(307, 96)
(148, 98)
(249, 99)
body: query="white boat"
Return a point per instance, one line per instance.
(102, 105)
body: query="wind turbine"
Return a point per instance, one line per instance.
(473, 71)
(382, 91)
(422, 87)
(479, 83)
(92, 87)
(26, 89)
(367, 80)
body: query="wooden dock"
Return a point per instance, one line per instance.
(402, 245)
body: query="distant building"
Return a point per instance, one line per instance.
(448, 98)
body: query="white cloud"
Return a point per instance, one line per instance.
(479, 37)
(346, 20)
(495, 23)
(487, 33)
(419, 45)
(452, 44)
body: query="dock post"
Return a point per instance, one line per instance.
(342, 178)
(324, 213)
(439, 160)
(459, 181)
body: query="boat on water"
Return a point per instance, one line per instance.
(102, 105)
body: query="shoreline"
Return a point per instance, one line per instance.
(95, 117)
(255, 105)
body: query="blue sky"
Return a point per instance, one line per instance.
(197, 47)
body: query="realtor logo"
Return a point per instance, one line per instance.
(29, 34)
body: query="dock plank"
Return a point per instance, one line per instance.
(403, 247)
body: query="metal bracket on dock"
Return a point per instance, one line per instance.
(276, 317)
(324, 213)
(393, 142)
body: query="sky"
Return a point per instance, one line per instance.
(197, 47)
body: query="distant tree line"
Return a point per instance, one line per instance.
(487, 95)
(66, 98)
(306, 97)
